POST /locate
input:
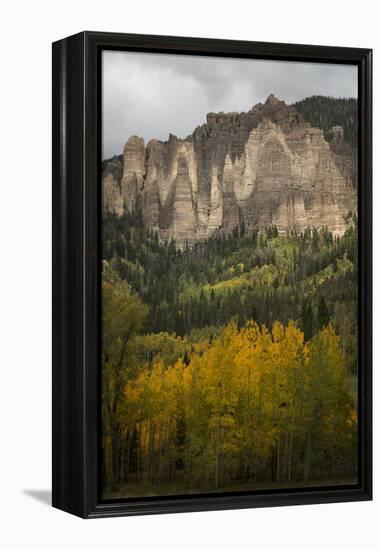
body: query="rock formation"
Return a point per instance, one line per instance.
(264, 167)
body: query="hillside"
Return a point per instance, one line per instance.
(327, 112)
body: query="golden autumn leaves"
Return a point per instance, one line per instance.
(249, 407)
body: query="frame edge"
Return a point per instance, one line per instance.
(68, 471)
(74, 283)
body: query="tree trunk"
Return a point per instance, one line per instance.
(307, 460)
(115, 447)
(122, 454)
(128, 454)
(290, 455)
(278, 460)
(285, 459)
(216, 471)
(151, 451)
(286, 447)
(138, 452)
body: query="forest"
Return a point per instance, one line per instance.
(230, 365)
(325, 112)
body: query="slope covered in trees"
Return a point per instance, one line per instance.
(230, 365)
(325, 112)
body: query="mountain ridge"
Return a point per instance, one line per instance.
(267, 166)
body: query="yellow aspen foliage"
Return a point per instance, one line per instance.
(248, 406)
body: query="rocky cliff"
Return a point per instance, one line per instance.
(264, 167)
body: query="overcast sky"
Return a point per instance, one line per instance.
(152, 95)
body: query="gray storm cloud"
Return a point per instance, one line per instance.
(152, 95)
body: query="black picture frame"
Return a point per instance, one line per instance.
(76, 261)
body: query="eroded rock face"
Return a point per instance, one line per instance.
(133, 172)
(112, 171)
(265, 167)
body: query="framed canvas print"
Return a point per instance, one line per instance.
(211, 274)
